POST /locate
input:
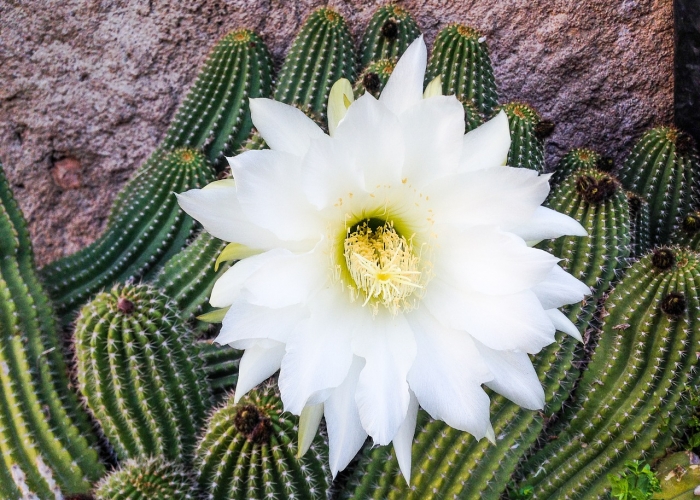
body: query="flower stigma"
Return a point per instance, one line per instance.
(383, 265)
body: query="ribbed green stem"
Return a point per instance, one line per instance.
(461, 57)
(220, 366)
(389, 33)
(527, 134)
(147, 479)
(578, 159)
(140, 372)
(248, 452)
(639, 225)
(374, 77)
(688, 234)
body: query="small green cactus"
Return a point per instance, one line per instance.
(147, 479)
(220, 366)
(374, 77)
(460, 56)
(472, 116)
(46, 441)
(140, 373)
(663, 168)
(248, 452)
(630, 397)
(321, 53)
(578, 159)
(389, 33)
(688, 234)
(527, 133)
(679, 477)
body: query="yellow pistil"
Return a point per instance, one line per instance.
(383, 266)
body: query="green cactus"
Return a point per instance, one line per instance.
(580, 158)
(472, 116)
(147, 479)
(527, 133)
(321, 53)
(679, 477)
(220, 366)
(663, 168)
(374, 77)
(145, 229)
(248, 451)
(46, 441)
(140, 373)
(461, 57)
(630, 397)
(688, 234)
(389, 33)
(639, 224)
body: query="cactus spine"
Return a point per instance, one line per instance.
(527, 133)
(389, 33)
(140, 373)
(629, 399)
(220, 366)
(461, 57)
(639, 224)
(46, 441)
(321, 53)
(147, 479)
(248, 452)
(663, 168)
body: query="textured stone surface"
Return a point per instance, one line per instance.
(98, 81)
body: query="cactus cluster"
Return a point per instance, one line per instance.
(149, 386)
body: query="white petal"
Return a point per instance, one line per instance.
(345, 433)
(432, 130)
(405, 85)
(447, 375)
(388, 347)
(308, 427)
(245, 321)
(487, 145)
(228, 287)
(560, 288)
(515, 321)
(403, 441)
(546, 224)
(219, 211)
(563, 324)
(284, 128)
(339, 99)
(270, 193)
(319, 352)
(485, 259)
(370, 138)
(514, 377)
(434, 88)
(503, 196)
(257, 364)
(288, 278)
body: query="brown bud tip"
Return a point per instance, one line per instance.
(691, 223)
(605, 163)
(544, 129)
(596, 190)
(125, 305)
(371, 82)
(390, 30)
(685, 144)
(253, 424)
(663, 258)
(673, 304)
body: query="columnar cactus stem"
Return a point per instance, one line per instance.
(220, 366)
(389, 33)
(577, 159)
(639, 225)
(374, 77)
(140, 373)
(147, 479)
(527, 133)
(46, 442)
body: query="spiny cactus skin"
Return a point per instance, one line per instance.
(663, 167)
(472, 116)
(147, 479)
(321, 53)
(140, 372)
(689, 232)
(374, 77)
(461, 57)
(578, 159)
(248, 452)
(629, 399)
(220, 366)
(46, 442)
(214, 115)
(389, 33)
(639, 224)
(146, 228)
(527, 133)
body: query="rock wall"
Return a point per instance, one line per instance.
(88, 87)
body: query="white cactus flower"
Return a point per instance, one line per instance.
(387, 265)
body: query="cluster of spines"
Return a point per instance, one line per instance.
(389, 33)
(688, 234)
(321, 53)
(146, 228)
(140, 373)
(663, 168)
(630, 397)
(527, 134)
(221, 364)
(147, 479)
(460, 56)
(374, 77)
(248, 451)
(577, 159)
(46, 441)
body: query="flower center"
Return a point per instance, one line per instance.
(382, 265)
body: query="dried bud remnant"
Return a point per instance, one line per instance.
(673, 304)
(663, 259)
(253, 424)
